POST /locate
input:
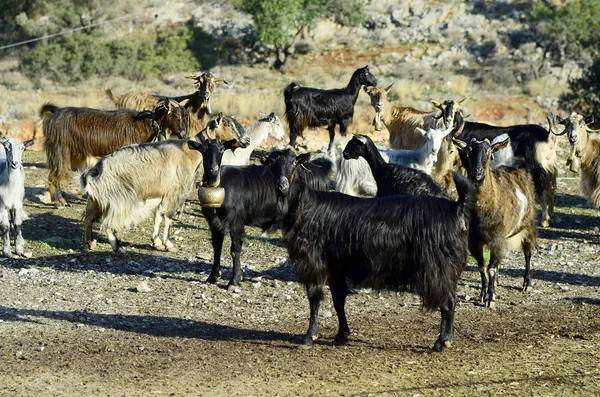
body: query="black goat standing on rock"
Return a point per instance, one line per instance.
(313, 107)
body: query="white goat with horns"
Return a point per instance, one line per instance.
(12, 192)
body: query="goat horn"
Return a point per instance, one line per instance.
(551, 125)
(436, 104)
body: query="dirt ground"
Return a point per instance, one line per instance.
(81, 323)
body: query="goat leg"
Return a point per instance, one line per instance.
(493, 279)
(114, 242)
(158, 217)
(477, 252)
(17, 222)
(168, 244)
(88, 222)
(5, 229)
(527, 275)
(447, 325)
(216, 237)
(237, 233)
(339, 291)
(315, 295)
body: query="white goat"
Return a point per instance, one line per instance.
(12, 192)
(126, 186)
(424, 157)
(354, 176)
(268, 124)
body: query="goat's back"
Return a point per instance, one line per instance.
(416, 243)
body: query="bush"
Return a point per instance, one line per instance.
(76, 57)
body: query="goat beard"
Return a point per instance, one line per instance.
(573, 161)
(377, 122)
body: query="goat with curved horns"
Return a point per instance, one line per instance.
(585, 154)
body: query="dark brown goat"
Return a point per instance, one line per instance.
(197, 105)
(76, 138)
(504, 213)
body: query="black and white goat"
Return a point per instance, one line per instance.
(313, 107)
(504, 215)
(391, 179)
(531, 143)
(411, 243)
(250, 200)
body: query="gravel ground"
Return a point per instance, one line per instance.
(75, 322)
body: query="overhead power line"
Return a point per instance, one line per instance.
(64, 32)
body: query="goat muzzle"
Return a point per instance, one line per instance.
(377, 122)
(283, 185)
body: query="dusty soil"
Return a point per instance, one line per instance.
(72, 322)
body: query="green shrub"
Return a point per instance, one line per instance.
(76, 57)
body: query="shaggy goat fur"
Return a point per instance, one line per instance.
(250, 200)
(391, 179)
(76, 138)
(197, 104)
(12, 192)
(267, 125)
(408, 243)
(125, 187)
(504, 213)
(313, 107)
(534, 146)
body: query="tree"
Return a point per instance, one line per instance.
(280, 22)
(571, 29)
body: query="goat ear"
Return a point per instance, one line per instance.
(462, 102)
(461, 145)
(436, 104)
(500, 145)
(262, 115)
(368, 90)
(560, 119)
(194, 145)
(589, 120)
(200, 137)
(232, 144)
(302, 158)
(421, 131)
(29, 142)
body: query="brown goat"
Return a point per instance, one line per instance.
(585, 154)
(197, 104)
(504, 213)
(402, 124)
(76, 138)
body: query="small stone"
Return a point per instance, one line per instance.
(22, 272)
(143, 287)
(327, 314)
(256, 285)
(283, 296)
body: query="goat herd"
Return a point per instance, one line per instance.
(415, 235)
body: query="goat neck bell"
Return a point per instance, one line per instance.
(211, 197)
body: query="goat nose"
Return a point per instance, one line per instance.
(214, 169)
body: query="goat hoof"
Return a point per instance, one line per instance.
(170, 247)
(340, 340)
(440, 346)
(26, 255)
(491, 304)
(211, 279)
(545, 223)
(92, 244)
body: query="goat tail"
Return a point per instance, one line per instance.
(48, 109)
(288, 91)
(111, 96)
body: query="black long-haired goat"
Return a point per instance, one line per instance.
(250, 199)
(313, 107)
(412, 243)
(504, 215)
(530, 142)
(391, 179)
